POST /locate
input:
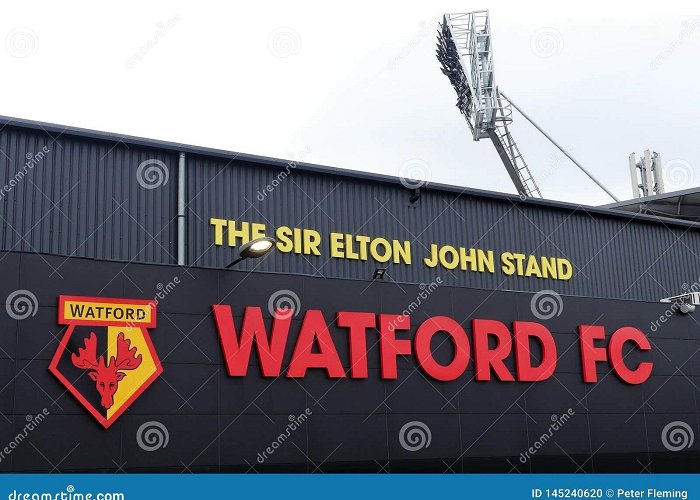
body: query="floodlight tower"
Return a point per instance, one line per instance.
(465, 53)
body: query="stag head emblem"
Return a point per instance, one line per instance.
(121, 374)
(107, 374)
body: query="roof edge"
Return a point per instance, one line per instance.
(604, 210)
(656, 197)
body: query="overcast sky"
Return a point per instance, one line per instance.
(356, 85)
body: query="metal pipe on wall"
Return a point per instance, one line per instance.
(181, 210)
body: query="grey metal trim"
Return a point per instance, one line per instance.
(181, 202)
(656, 197)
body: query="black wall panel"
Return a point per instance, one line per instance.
(219, 423)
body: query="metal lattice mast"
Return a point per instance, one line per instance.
(465, 53)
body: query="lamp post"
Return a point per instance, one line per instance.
(254, 249)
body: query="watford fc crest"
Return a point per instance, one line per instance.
(106, 358)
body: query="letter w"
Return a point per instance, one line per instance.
(237, 351)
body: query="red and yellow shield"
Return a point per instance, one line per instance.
(106, 358)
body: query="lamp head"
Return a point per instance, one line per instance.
(256, 248)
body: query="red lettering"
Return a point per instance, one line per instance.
(315, 348)
(523, 331)
(357, 323)
(237, 354)
(590, 354)
(314, 331)
(617, 340)
(424, 354)
(389, 346)
(484, 358)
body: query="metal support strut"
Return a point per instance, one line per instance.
(566, 153)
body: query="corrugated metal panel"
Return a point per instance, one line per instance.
(617, 258)
(83, 198)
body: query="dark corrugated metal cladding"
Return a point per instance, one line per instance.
(72, 197)
(84, 198)
(612, 257)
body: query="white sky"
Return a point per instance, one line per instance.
(359, 87)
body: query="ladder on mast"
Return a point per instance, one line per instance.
(504, 142)
(467, 37)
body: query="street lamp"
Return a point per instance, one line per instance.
(254, 249)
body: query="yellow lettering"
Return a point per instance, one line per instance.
(312, 239)
(565, 269)
(375, 254)
(549, 267)
(337, 245)
(233, 234)
(218, 230)
(449, 264)
(486, 261)
(507, 263)
(465, 259)
(532, 267)
(363, 241)
(349, 252)
(402, 252)
(257, 230)
(519, 258)
(297, 240)
(284, 242)
(432, 260)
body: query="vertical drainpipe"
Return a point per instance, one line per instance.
(181, 211)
